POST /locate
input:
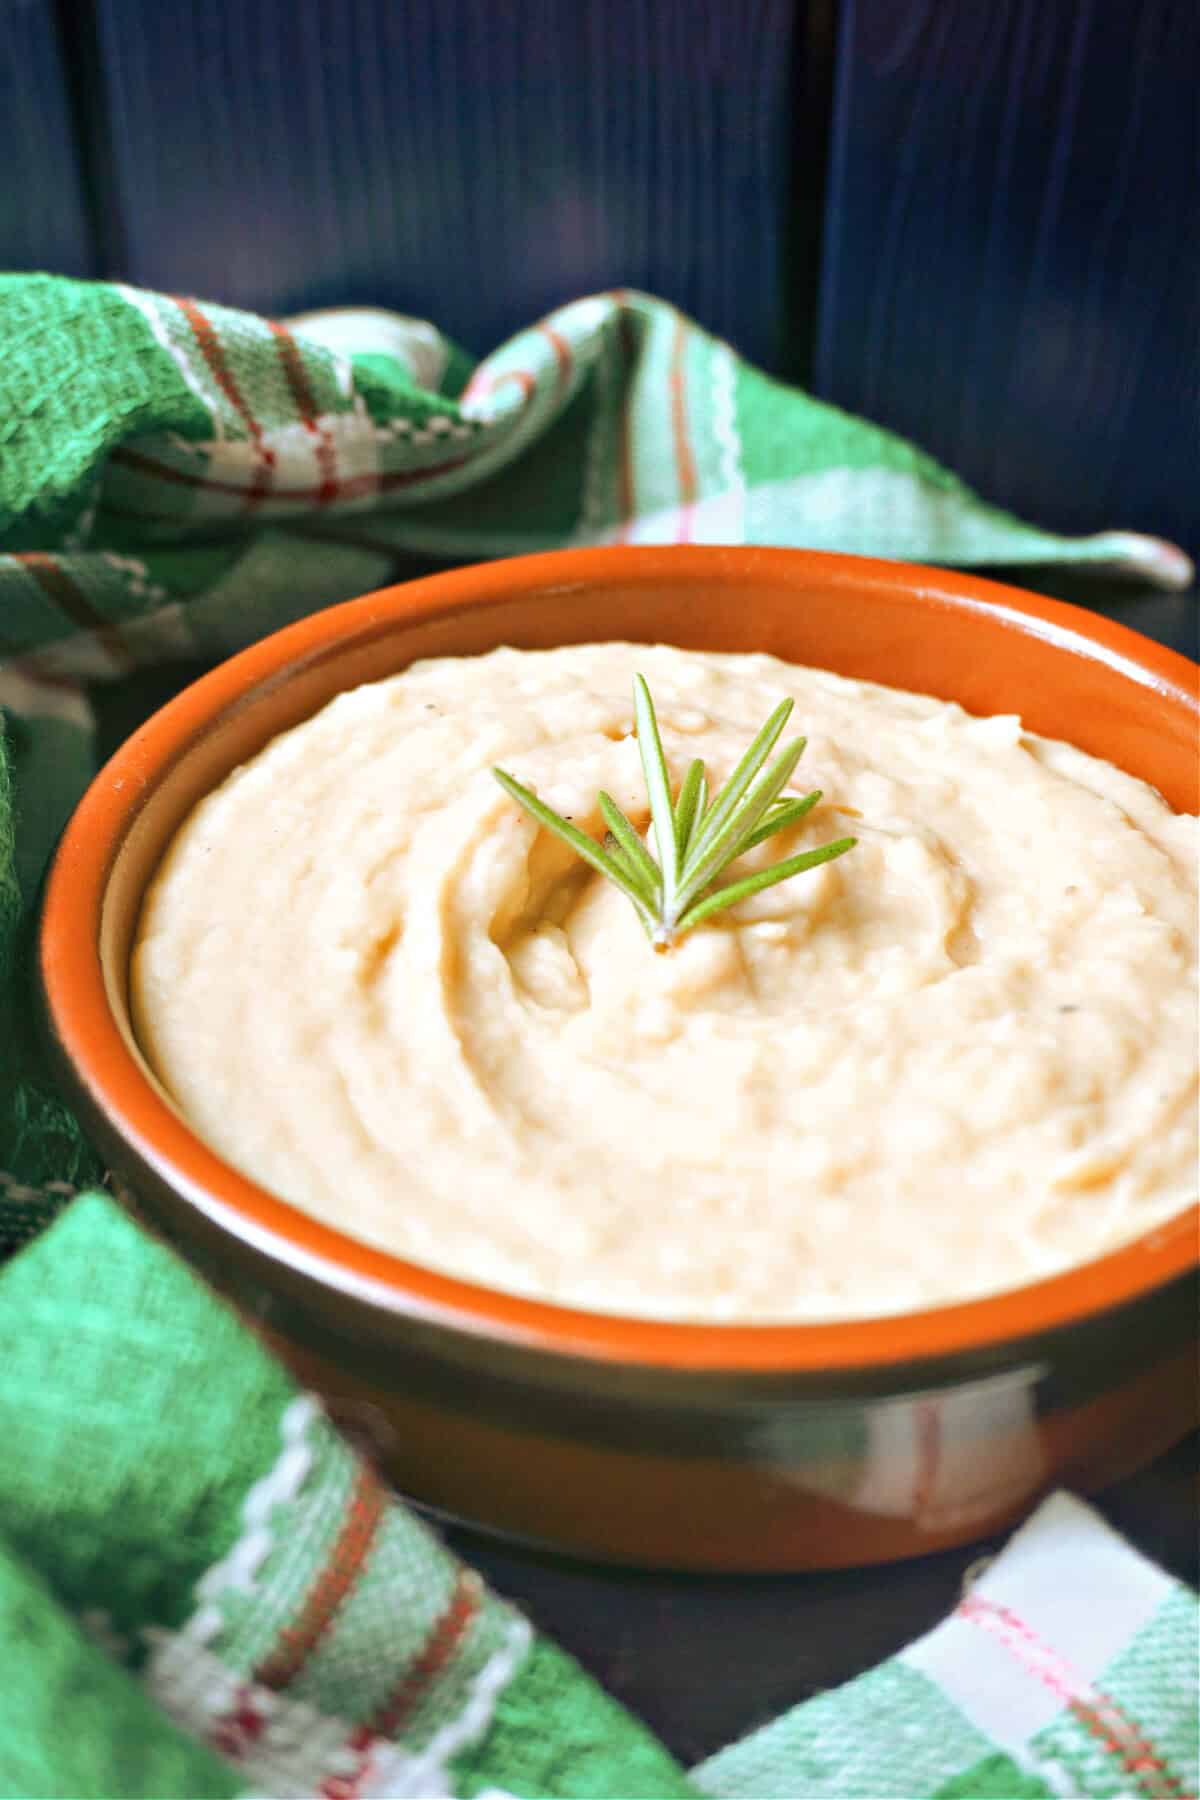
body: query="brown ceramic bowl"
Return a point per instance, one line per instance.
(739, 1447)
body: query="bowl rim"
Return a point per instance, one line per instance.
(110, 1083)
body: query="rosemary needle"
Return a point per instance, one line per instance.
(697, 839)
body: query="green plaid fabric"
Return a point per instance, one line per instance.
(220, 1598)
(203, 1590)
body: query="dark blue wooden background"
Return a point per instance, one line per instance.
(43, 219)
(978, 223)
(1012, 269)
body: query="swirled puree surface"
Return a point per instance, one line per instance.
(958, 1058)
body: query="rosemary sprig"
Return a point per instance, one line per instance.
(696, 839)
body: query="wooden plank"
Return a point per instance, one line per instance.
(467, 162)
(1011, 272)
(43, 222)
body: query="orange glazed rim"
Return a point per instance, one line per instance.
(87, 1033)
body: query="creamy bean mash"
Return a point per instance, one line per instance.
(957, 1059)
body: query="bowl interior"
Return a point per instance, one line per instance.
(990, 648)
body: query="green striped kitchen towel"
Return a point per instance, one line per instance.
(205, 1592)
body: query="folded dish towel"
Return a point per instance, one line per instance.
(203, 1591)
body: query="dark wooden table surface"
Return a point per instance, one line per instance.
(703, 1659)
